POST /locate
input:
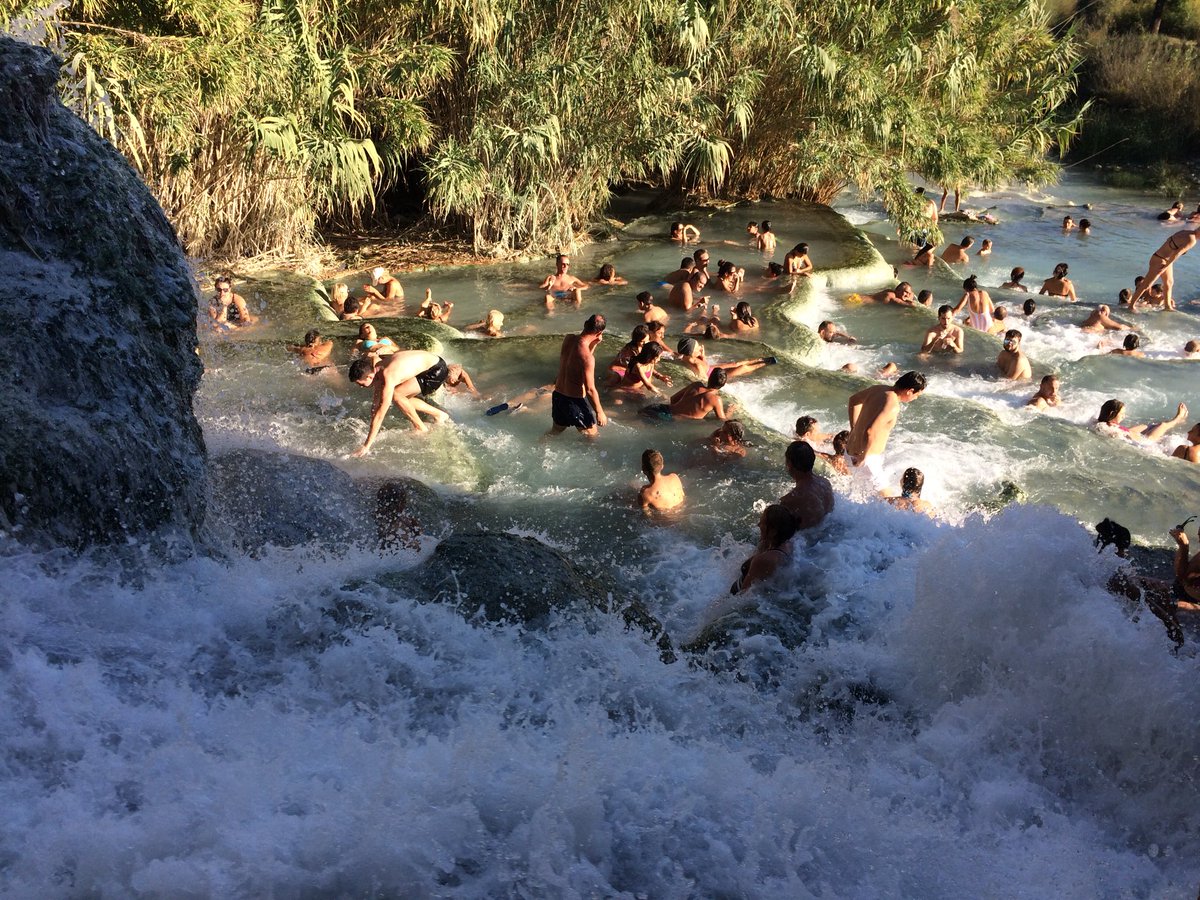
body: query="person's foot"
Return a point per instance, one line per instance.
(441, 418)
(1182, 413)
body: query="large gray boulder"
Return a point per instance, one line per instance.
(98, 315)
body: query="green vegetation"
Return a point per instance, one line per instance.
(511, 120)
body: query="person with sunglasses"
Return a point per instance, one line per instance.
(228, 308)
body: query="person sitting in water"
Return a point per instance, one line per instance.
(945, 336)
(766, 237)
(1162, 265)
(1016, 280)
(1058, 284)
(839, 459)
(665, 490)
(978, 302)
(774, 270)
(314, 352)
(831, 334)
(1191, 348)
(797, 261)
(227, 307)
(437, 312)
(811, 498)
(709, 314)
(912, 482)
(695, 401)
(729, 276)
(684, 273)
(627, 353)
(684, 233)
(337, 298)
(807, 430)
(1000, 324)
(1112, 414)
(404, 378)
(776, 526)
(691, 354)
(728, 440)
(370, 344)
(700, 276)
(562, 285)
(608, 275)
(639, 375)
(1068, 224)
(1029, 307)
(456, 377)
(682, 296)
(752, 233)
(383, 287)
(354, 308)
(923, 256)
(1012, 362)
(741, 318)
(649, 311)
(1173, 214)
(925, 298)
(1131, 347)
(1189, 452)
(1085, 227)
(957, 253)
(492, 325)
(1047, 394)
(985, 248)
(1123, 296)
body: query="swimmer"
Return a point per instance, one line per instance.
(902, 295)
(888, 370)
(1047, 394)
(1189, 452)
(1099, 321)
(831, 334)
(1191, 348)
(492, 325)
(1173, 214)
(811, 498)
(370, 344)
(776, 526)
(1162, 265)
(945, 336)
(979, 305)
(436, 312)
(337, 298)
(1012, 362)
(1058, 284)
(383, 286)
(1112, 414)
(691, 354)
(742, 319)
(710, 314)
(576, 402)
(728, 440)
(985, 249)
(1123, 296)
(925, 298)
(404, 378)
(766, 237)
(912, 482)
(1131, 347)
(923, 256)
(695, 401)
(684, 233)
(562, 285)
(1085, 227)
(806, 430)
(1016, 280)
(957, 253)
(227, 307)
(314, 352)
(648, 311)
(608, 275)
(665, 490)
(837, 459)
(873, 413)
(1000, 325)
(797, 261)
(684, 273)
(1068, 225)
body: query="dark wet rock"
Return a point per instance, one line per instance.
(264, 497)
(99, 320)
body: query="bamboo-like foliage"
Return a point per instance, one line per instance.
(253, 122)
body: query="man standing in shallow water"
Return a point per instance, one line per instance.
(576, 402)
(873, 412)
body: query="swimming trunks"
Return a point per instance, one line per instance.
(433, 377)
(660, 411)
(869, 473)
(572, 412)
(563, 295)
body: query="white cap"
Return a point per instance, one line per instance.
(378, 273)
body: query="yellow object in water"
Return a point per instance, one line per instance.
(856, 298)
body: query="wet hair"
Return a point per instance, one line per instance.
(1109, 410)
(775, 268)
(987, 242)
(910, 381)
(1124, 295)
(649, 354)
(1016, 274)
(780, 522)
(595, 324)
(840, 441)
(653, 327)
(696, 254)
(1012, 335)
(687, 263)
(1192, 346)
(911, 482)
(971, 283)
(645, 297)
(687, 346)
(725, 267)
(652, 462)
(711, 332)
(823, 325)
(1000, 313)
(607, 271)
(311, 337)
(743, 314)
(352, 305)
(1049, 379)
(764, 226)
(1132, 342)
(805, 424)
(494, 319)
(360, 367)
(676, 227)
(1085, 223)
(1030, 306)
(717, 378)
(902, 284)
(363, 330)
(1110, 532)
(1066, 219)
(945, 308)
(800, 456)
(1060, 271)
(735, 430)
(966, 241)
(1138, 279)
(925, 297)
(639, 333)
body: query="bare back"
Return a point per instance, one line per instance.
(873, 413)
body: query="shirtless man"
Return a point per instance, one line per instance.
(384, 287)
(665, 490)
(831, 334)
(576, 402)
(650, 312)
(957, 253)
(562, 285)
(314, 352)
(683, 273)
(1131, 347)
(1099, 321)
(228, 308)
(811, 499)
(945, 336)
(873, 412)
(1189, 452)
(1187, 574)
(700, 276)
(901, 294)
(1012, 363)
(929, 209)
(1047, 394)
(403, 378)
(682, 296)
(1162, 265)
(695, 401)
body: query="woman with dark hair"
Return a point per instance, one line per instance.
(1059, 285)
(729, 276)
(766, 237)
(742, 319)
(639, 375)
(797, 261)
(912, 482)
(775, 528)
(1112, 414)
(979, 304)
(608, 275)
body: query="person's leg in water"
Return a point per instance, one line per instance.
(1157, 430)
(743, 367)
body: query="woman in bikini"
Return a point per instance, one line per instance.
(742, 319)
(979, 303)
(775, 528)
(1162, 265)
(1112, 414)
(1059, 285)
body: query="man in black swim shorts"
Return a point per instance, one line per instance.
(576, 402)
(433, 377)
(403, 378)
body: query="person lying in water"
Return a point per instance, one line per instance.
(491, 325)
(437, 312)
(695, 401)
(664, 490)
(1189, 452)
(1112, 414)
(691, 354)
(1131, 347)
(1099, 321)
(832, 334)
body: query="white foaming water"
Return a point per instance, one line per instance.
(925, 708)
